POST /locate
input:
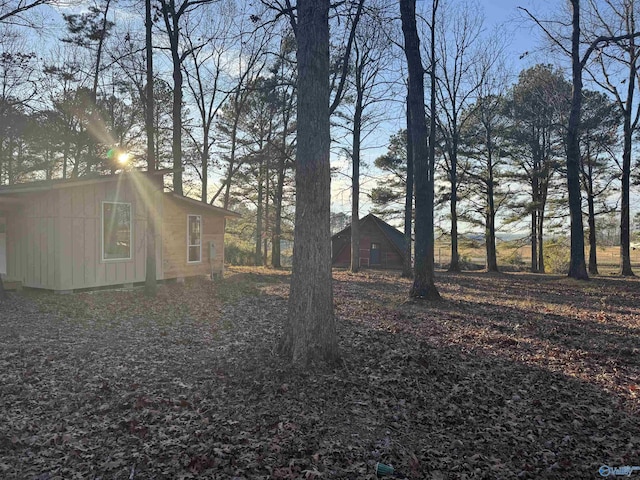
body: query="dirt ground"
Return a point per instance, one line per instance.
(509, 376)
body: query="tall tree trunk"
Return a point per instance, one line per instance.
(232, 157)
(490, 234)
(150, 286)
(258, 250)
(176, 144)
(265, 256)
(310, 330)
(407, 268)
(276, 260)
(424, 279)
(625, 220)
(276, 253)
(454, 265)
(577, 267)
(593, 261)
(65, 158)
(171, 21)
(204, 197)
(355, 180)
(534, 240)
(540, 242)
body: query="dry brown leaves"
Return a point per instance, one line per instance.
(510, 376)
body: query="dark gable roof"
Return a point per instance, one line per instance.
(395, 236)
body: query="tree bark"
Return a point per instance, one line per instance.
(176, 144)
(150, 286)
(407, 268)
(534, 241)
(355, 179)
(593, 260)
(454, 265)
(625, 219)
(424, 282)
(310, 332)
(171, 19)
(490, 221)
(276, 253)
(265, 242)
(204, 197)
(540, 234)
(490, 234)
(258, 240)
(577, 267)
(276, 260)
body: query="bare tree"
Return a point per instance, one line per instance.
(614, 17)
(175, 14)
(423, 159)
(285, 145)
(15, 11)
(205, 70)
(407, 265)
(251, 61)
(464, 66)
(598, 137)
(90, 30)
(577, 267)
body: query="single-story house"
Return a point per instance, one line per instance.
(90, 232)
(381, 245)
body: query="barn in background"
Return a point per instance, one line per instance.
(381, 245)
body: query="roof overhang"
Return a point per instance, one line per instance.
(59, 183)
(206, 206)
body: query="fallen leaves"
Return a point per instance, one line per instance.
(489, 383)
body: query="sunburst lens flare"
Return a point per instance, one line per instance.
(123, 158)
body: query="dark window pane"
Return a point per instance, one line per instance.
(116, 230)
(194, 254)
(194, 241)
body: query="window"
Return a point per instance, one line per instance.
(194, 239)
(116, 231)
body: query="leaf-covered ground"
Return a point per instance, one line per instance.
(510, 376)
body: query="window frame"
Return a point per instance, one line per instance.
(102, 232)
(199, 244)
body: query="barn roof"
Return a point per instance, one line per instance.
(395, 236)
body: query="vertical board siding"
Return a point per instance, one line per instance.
(54, 237)
(174, 239)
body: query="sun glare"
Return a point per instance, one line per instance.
(123, 158)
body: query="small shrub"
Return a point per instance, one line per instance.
(556, 257)
(238, 253)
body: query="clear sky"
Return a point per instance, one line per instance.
(524, 39)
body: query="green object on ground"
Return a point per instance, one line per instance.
(383, 470)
